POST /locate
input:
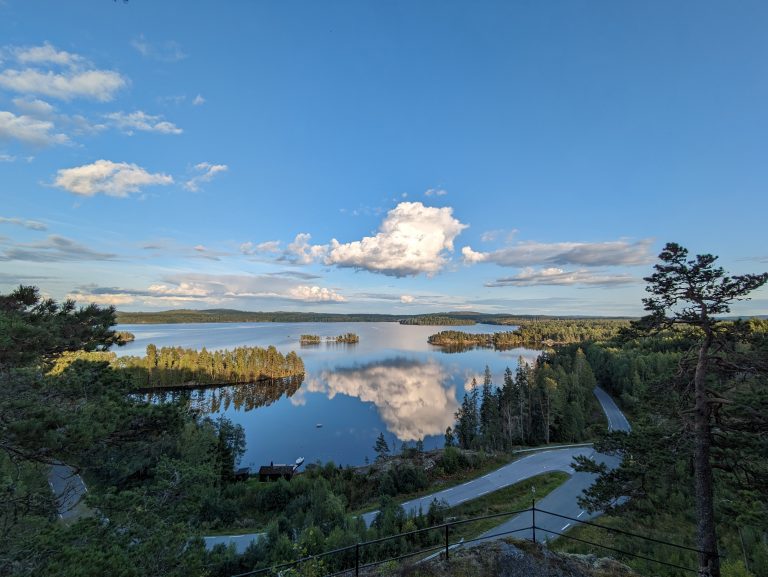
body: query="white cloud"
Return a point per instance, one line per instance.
(316, 294)
(207, 172)
(30, 224)
(111, 178)
(413, 399)
(29, 130)
(168, 51)
(198, 100)
(301, 252)
(212, 289)
(58, 74)
(407, 299)
(105, 299)
(138, 120)
(98, 85)
(435, 192)
(46, 54)
(558, 276)
(412, 239)
(614, 253)
(34, 107)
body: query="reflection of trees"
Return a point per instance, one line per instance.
(241, 397)
(413, 398)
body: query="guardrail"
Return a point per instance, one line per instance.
(446, 546)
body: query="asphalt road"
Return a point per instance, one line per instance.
(563, 500)
(69, 489)
(530, 466)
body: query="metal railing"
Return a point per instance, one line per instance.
(445, 547)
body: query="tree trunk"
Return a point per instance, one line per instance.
(706, 536)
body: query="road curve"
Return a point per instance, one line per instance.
(530, 466)
(71, 489)
(563, 500)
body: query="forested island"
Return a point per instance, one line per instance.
(180, 367)
(346, 338)
(436, 320)
(532, 333)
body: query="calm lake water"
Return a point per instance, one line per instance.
(392, 381)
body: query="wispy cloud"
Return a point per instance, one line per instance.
(206, 171)
(615, 253)
(168, 247)
(198, 100)
(30, 224)
(55, 248)
(266, 247)
(165, 51)
(139, 120)
(118, 179)
(435, 192)
(558, 276)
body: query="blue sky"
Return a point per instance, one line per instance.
(350, 156)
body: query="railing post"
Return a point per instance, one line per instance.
(446, 541)
(357, 560)
(533, 517)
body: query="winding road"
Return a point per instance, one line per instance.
(563, 500)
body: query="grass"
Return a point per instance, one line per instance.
(493, 463)
(513, 498)
(660, 526)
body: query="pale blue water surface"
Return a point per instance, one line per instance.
(392, 381)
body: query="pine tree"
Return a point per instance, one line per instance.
(381, 447)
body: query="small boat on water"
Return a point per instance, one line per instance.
(299, 461)
(319, 425)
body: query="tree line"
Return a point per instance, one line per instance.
(176, 366)
(550, 402)
(531, 333)
(436, 320)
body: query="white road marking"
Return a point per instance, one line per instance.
(580, 514)
(565, 527)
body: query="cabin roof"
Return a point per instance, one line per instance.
(276, 470)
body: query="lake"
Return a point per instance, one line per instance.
(392, 381)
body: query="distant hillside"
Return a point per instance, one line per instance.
(235, 316)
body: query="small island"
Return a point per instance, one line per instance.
(346, 338)
(124, 337)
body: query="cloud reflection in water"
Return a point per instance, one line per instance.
(414, 398)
